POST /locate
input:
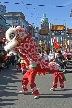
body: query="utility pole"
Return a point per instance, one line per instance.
(65, 35)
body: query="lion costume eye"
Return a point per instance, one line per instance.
(12, 35)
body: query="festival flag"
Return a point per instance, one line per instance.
(56, 44)
(45, 47)
(40, 43)
(64, 43)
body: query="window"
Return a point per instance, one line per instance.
(16, 21)
(9, 22)
(9, 18)
(23, 26)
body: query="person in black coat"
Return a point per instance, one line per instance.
(60, 60)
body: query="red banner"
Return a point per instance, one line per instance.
(56, 44)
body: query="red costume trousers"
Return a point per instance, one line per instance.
(58, 75)
(29, 77)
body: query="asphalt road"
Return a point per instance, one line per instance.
(10, 85)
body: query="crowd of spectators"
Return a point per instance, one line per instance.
(60, 56)
(10, 58)
(6, 59)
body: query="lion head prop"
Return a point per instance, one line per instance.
(14, 36)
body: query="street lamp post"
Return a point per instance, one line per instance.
(50, 36)
(65, 33)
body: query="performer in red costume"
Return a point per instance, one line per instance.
(29, 76)
(58, 74)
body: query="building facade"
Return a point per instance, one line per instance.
(2, 24)
(36, 35)
(2, 29)
(44, 22)
(2, 9)
(16, 19)
(44, 30)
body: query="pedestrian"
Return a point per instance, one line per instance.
(3, 59)
(1, 62)
(23, 66)
(12, 58)
(7, 60)
(18, 65)
(46, 56)
(50, 55)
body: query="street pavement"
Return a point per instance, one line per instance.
(10, 97)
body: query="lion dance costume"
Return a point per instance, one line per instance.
(22, 43)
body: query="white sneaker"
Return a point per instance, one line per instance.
(52, 89)
(25, 92)
(36, 97)
(62, 89)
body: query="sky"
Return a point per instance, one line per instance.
(33, 13)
